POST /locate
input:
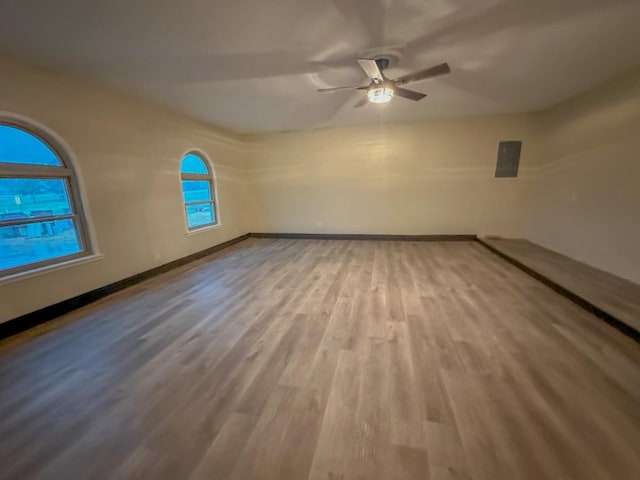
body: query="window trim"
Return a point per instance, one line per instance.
(210, 177)
(68, 172)
(47, 269)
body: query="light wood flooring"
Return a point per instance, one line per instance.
(324, 360)
(616, 296)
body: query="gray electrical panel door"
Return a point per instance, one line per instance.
(508, 159)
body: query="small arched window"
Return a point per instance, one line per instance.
(41, 217)
(198, 191)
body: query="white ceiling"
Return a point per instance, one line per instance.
(254, 65)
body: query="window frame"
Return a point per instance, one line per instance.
(209, 177)
(66, 172)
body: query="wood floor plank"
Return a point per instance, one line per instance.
(447, 458)
(324, 359)
(616, 296)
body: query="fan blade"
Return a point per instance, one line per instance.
(333, 89)
(362, 102)
(441, 69)
(408, 94)
(370, 67)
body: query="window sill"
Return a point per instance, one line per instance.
(17, 277)
(203, 229)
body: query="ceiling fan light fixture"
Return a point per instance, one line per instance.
(380, 93)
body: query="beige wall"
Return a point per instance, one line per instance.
(586, 201)
(434, 177)
(128, 155)
(577, 192)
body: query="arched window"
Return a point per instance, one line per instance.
(41, 217)
(198, 191)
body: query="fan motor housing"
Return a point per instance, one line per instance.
(384, 57)
(383, 63)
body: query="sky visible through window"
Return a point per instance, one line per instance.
(198, 214)
(191, 163)
(29, 198)
(18, 146)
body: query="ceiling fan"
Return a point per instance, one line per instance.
(383, 89)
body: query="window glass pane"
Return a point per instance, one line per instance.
(35, 242)
(200, 214)
(196, 191)
(33, 197)
(192, 163)
(18, 146)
